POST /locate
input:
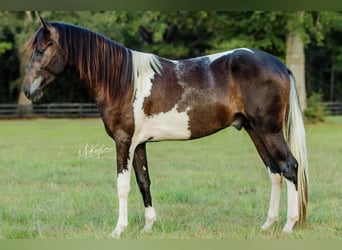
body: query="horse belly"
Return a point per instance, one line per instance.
(208, 119)
(170, 125)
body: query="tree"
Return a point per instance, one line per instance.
(295, 56)
(182, 34)
(4, 46)
(9, 62)
(324, 58)
(300, 30)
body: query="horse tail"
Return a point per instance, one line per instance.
(295, 134)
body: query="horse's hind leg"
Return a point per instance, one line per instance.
(143, 180)
(276, 180)
(273, 211)
(292, 207)
(284, 163)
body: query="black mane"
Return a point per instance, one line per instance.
(97, 59)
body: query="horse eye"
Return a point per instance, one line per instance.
(39, 52)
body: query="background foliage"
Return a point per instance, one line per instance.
(181, 34)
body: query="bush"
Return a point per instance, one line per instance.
(316, 110)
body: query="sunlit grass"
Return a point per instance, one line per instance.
(215, 187)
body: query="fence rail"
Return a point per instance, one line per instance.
(334, 108)
(83, 110)
(51, 110)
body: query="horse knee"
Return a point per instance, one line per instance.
(289, 169)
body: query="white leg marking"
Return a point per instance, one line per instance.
(123, 185)
(273, 212)
(292, 207)
(150, 217)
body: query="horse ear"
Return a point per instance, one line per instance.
(48, 29)
(45, 24)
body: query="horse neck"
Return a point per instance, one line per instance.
(104, 66)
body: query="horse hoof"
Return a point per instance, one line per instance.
(116, 233)
(287, 231)
(269, 223)
(146, 230)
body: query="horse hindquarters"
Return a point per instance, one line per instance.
(264, 118)
(297, 188)
(265, 101)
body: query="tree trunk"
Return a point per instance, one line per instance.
(28, 16)
(332, 78)
(295, 60)
(22, 100)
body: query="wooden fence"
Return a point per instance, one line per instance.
(51, 110)
(334, 108)
(82, 110)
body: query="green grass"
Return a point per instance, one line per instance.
(215, 187)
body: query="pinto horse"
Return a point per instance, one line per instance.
(142, 97)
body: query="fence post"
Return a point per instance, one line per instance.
(81, 110)
(25, 110)
(48, 110)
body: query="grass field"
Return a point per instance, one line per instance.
(211, 188)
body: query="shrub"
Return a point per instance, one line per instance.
(316, 110)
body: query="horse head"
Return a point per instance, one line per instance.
(48, 59)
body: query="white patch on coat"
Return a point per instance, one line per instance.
(213, 57)
(144, 67)
(143, 73)
(170, 125)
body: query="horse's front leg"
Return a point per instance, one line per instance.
(143, 180)
(124, 166)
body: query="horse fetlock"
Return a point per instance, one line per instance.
(269, 222)
(118, 230)
(147, 228)
(290, 223)
(150, 217)
(288, 229)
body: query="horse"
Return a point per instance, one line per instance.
(142, 97)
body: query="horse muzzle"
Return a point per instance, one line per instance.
(34, 91)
